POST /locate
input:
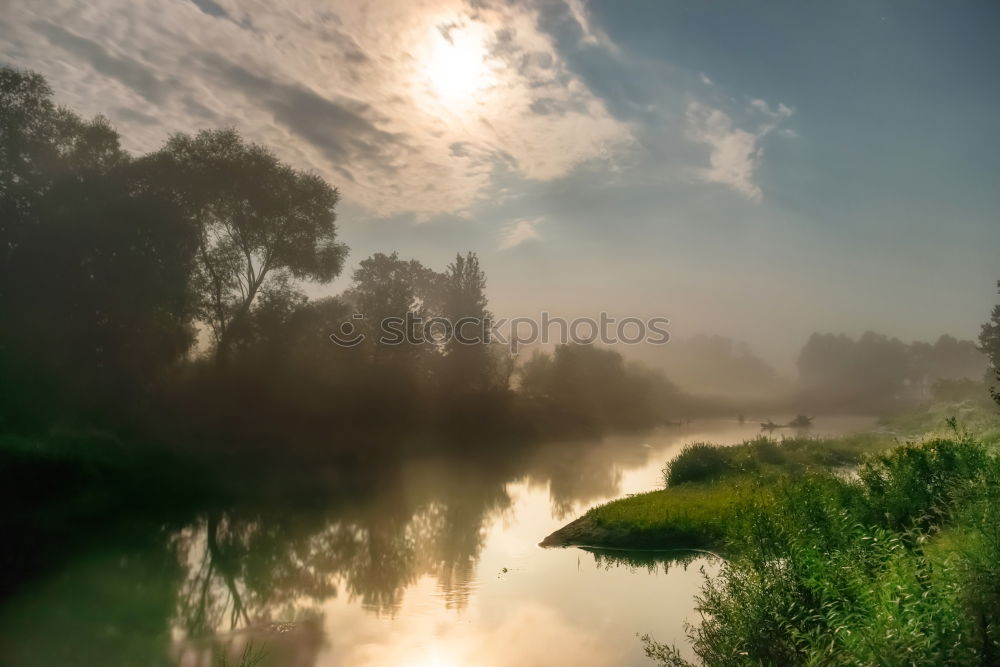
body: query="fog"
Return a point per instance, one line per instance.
(322, 315)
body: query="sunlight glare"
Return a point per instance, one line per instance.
(456, 65)
(435, 659)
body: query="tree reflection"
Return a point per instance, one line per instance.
(652, 561)
(261, 570)
(247, 569)
(422, 518)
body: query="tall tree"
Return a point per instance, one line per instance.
(94, 294)
(263, 226)
(386, 287)
(989, 341)
(470, 364)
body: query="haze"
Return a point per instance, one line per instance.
(755, 172)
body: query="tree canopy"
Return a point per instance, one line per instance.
(262, 225)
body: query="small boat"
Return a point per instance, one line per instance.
(769, 425)
(801, 421)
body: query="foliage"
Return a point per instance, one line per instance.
(261, 224)
(698, 462)
(468, 368)
(989, 341)
(595, 387)
(693, 516)
(977, 415)
(899, 564)
(878, 372)
(702, 462)
(94, 296)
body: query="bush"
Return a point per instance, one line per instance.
(917, 485)
(899, 566)
(701, 462)
(690, 516)
(698, 462)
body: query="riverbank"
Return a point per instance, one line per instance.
(894, 555)
(708, 488)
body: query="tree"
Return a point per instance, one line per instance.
(989, 343)
(947, 360)
(94, 273)
(536, 375)
(470, 365)
(386, 287)
(263, 226)
(594, 386)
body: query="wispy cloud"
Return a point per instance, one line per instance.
(520, 231)
(591, 33)
(734, 153)
(373, 95)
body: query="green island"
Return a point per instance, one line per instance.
(831, 551)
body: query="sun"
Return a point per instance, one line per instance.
(457, 63)
(435, 659)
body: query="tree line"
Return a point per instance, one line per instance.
(166, 291)
(878, 372)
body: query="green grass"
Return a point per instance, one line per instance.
(979, 416)
(896, 563)
(899, 564)
(710, 489)
(703, 462)
(693, 516)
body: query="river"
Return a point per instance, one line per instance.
(434, 563)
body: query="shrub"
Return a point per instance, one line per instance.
(917, 485)
(899, 566)
(698, 462)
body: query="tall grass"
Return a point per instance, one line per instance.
(899, 565)
(694, 516)
(710, 489)
(702, 462)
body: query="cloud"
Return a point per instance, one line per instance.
(734, 154)
(520, 231)
(210, 8)
(128, 71)
(368, 94)
(591, 34)
(781, 111)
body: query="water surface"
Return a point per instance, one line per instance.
(434, 562)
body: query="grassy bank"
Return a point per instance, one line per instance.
(709, 489)
(897, 565)
(977, 415)
(871, 549)
(690, 517)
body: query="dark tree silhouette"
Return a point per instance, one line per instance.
(263, 225)
(94, 294)
(989, 341)
(385, 287)
(470, 364)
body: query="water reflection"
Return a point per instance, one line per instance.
(428, 559)
(650, 560)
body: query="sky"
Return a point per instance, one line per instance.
(760, 170)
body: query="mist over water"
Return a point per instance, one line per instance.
(318, 319)
(429, 560)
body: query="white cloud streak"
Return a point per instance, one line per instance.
(347, 88)
(734, 154)
(519, 232)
